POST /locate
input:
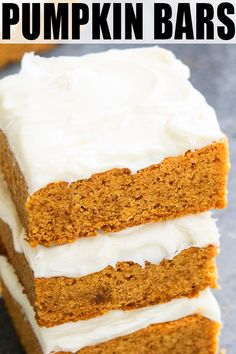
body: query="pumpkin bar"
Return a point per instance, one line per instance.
(108, 141)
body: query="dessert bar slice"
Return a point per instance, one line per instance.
(108, 141)
(179, 326)
(134, 268)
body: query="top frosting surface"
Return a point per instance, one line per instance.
(69, 117)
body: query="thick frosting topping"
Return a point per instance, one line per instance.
(151, 242)
(74, 336)
(69, 117)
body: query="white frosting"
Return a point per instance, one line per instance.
(151, 242)
(66, 118)
(74, 336)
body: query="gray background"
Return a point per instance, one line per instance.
(213, 72)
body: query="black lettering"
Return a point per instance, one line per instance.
(163, 27)
(80, 16)
(205, 15)
(10, 16)
(134, 21)
(227, 31)
(117, 21)
(56, 21)
(99, 23)
(184, 24)
(31, 22)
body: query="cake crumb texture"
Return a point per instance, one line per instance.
(126, 287)
(114, 200)
(57, 300)
(190, 335)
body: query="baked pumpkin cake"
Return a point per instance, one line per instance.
(179, 326)
(108, 141)
(137, 267)
(61, 302)
(110, 163)
(11, 53)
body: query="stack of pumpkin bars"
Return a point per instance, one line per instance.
(110, 164)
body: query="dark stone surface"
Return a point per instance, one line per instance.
(9, 343)
(213, 69)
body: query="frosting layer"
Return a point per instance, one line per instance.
(151, 242)
(77, 335)
(67, 118)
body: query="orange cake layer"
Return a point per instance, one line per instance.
(128, 286)
(190, 335)
(11, 53)
(116, 199)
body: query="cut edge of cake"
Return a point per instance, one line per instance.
(202, 311)
(114, 200)
(126, 286)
